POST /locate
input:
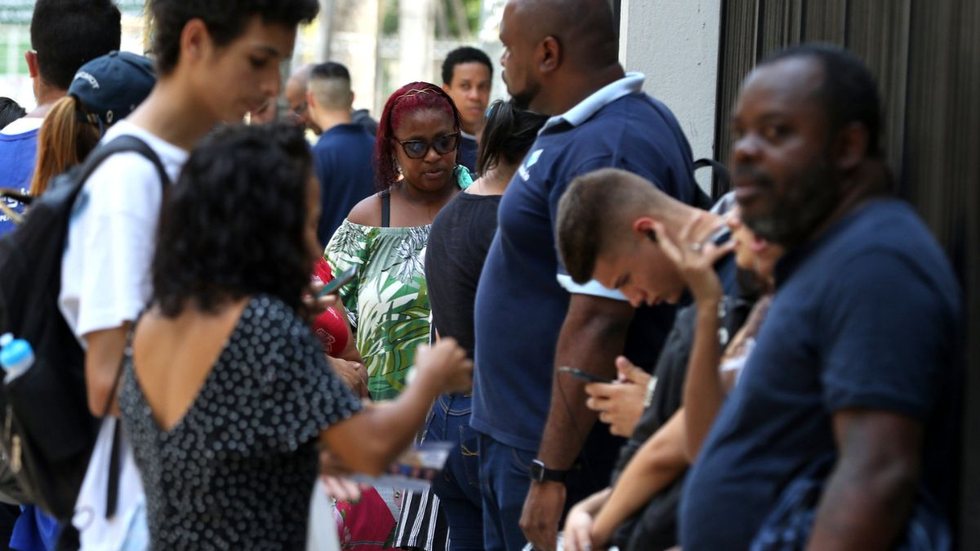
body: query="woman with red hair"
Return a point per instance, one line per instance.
(386, 234)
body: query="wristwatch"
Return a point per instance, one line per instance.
(540, 473)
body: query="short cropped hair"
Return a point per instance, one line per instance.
(225, 21)
(243, 189)
(848, 92)
(597, 210)
(464, 54)
(330, 84)
(66, 34)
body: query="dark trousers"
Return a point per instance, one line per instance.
(458, 486)
(504, 482)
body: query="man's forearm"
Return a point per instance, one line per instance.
(703, 392)
(863, 510)
(593, 334)
(868, 496)
(655, 466)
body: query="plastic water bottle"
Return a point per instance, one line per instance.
(16, 356)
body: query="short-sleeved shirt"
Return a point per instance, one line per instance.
(105, 270)
(237, 469)
(18, 150)
(343, 164)
(458, 245)
(520, 304)
(867, 316)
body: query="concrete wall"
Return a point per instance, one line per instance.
(675, 43)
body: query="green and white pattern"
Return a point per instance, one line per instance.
(387, 302)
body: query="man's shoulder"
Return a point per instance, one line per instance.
(345, 138)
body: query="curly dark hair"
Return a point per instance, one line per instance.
(414, 96)
(225, 21)
(234, 223)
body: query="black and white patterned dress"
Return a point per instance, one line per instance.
(237, 470)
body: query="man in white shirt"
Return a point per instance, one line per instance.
(208, 73)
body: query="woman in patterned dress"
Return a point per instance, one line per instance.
(386, 234)
(227, 392)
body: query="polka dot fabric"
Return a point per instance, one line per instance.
(237, 470)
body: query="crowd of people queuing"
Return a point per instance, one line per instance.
(616, 360)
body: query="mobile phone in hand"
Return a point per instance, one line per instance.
(338, 282)
(585, 376)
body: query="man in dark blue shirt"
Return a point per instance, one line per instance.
(856, 365)
(467, 76)
(530, 318)
(342, 156)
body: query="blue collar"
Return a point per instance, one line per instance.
(629, 84)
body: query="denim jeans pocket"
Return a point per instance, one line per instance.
(469, 445)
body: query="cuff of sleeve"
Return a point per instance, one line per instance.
(592, 288)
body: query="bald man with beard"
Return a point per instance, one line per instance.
(540, 448)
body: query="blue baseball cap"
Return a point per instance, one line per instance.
(111, 86)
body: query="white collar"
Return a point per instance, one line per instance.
(629, 84)
(22, 125)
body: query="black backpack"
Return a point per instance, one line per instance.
(46, 430)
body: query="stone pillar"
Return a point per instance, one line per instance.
(416, 36)
(675, 44)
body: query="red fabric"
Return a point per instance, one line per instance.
(330, 327)
(367, 524)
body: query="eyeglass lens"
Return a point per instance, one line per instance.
(416, 149)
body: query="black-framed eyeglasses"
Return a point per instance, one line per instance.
(417, 149)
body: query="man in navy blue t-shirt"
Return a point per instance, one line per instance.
(342, 155)
(856, 365)
(530, 317)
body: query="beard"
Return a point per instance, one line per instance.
(798, 206)
(522, 99)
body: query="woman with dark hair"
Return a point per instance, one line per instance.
(104, 91)
(226, 390)
(386, 234)
(458, 246)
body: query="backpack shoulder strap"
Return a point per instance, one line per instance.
(123, 144)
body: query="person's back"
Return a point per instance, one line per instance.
(238, 400)
(93, 29)
(231, 68)
(343, 154)
(227, 389)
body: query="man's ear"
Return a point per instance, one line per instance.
(850, 147)
(643, 225)
(30, 56)
(549, 54)
(195, 40)
(311, 103)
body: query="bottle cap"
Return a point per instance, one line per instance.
(15, 353)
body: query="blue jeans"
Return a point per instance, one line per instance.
(505, 480)
(458, 486)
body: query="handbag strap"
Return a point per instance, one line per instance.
(385, 208)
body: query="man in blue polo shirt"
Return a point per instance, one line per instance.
(342, 155)
(526, 321)
(855, 368)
